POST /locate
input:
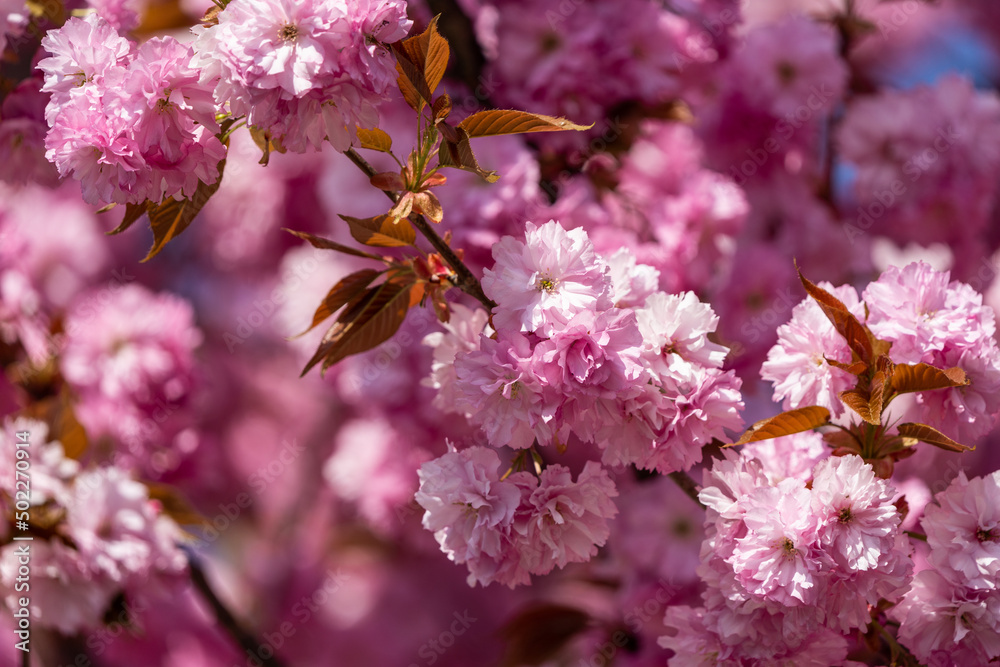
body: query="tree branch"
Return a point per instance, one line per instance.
(688, 485)
(466, 280)
(250, 644)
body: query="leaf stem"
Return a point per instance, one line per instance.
(244, 638)
(466, 280)
(688, 485)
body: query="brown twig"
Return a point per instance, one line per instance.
(250, 644)
(688, 485)
(465, 279)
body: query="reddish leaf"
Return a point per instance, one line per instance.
(931, 436)
(442, 107)
(172, 217)
(369, 322)
(345, 291)
(856, 368)
(132, 213)
(375, 139)
(427, 204)
(493, 122)
(327, 244)
(858, 337)
(787, 423)
(421, 62)
(540, 632)
(175, 505)
(381, 231)
(460, 156)
(924, 377)
(390, 181)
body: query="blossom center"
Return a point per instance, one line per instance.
(788, 547)
(845, 515)
(983, 535)
(546, 284)
(288, 32)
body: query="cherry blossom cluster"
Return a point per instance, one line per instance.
(791, 564)
(134, 373)
(927, 318)
(97, 534)
(130, 123)
(952, 614)
(588, 347)
(925, 158)
(507, 529)
(303, 72)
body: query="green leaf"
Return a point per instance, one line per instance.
(341, 294)
(931, 436)
(381, 231)
(327, 244)
(924, 377)
(494, 122)
(369, 322)
(787, 423)
(375, 139)
(171, 217)
(132, 213)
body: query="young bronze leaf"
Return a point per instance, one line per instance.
(538, 633)
(171, 217)
(345, 291)
(132, 213)
(931, 436)
(421, 62)
(375, 139)
(175, 505)
(924, 377)
(856, 368)
(442, 107)
(859, 401)
(460, 156)
(381, 231)
(369, 322)
(492, 122)
(857, 336)
(787, 423)
(327, 244)
(427, 203)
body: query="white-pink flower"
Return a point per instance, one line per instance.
(471, 511)
(797, 365)
(963, 531)
(568, 520)
(540, 283)
(858, 521)
(777, 560)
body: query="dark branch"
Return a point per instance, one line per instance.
(233, 628)
(688, 485)
(465, 279)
